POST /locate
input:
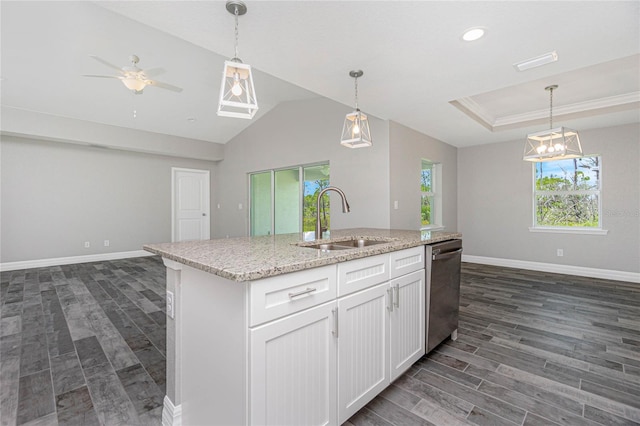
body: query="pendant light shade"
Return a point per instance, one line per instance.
(553, 144)
(355, 132)
(237, 92)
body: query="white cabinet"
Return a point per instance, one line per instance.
(407, 323)
(381, 324)
(362, 273)
(293, 369)
(309, 347)
(363, 347)
(283, 295)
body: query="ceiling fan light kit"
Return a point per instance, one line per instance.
(237, 92)
(554, 144)
(355, 131)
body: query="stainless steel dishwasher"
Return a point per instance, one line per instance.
(443, 291)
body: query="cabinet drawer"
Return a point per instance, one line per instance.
(358, 274)
(406, 261)
(286, 294)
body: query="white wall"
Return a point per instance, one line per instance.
(407, 149)
(56, 196)
(495, 204)
(305, 132)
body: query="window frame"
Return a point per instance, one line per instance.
(588, 230)
(435, 194)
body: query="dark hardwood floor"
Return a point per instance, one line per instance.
(84, 344)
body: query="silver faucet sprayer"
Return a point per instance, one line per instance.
(345, 207)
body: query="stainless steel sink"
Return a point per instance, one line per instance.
(361, 242)
(326, 247)
(344, 245)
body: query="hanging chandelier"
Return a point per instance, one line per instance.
(237, 93)
(355, 132)
(553, 144)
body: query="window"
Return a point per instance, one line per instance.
(284, 200)
(567, 194)
(431, 189)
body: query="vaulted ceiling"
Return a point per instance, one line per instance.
(417, 69)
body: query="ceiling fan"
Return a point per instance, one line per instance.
(134, 78)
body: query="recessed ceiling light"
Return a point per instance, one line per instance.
(473, 34)
(538, 61)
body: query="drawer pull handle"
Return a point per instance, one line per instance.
(300, 293)
(397, 296)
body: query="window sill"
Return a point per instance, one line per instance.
(433, 228)
(579, 231)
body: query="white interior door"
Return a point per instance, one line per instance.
(190, 205)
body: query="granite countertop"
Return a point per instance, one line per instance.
(252, 258)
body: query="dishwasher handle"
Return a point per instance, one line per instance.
(445, 255)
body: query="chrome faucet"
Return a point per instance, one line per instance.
(345, 207)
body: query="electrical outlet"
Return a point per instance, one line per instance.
(170, 305)
(87, 244)
(106, 243)
(395, 205)
(560, 253)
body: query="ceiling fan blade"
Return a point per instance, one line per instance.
(102, 76)
(102, 61)
(164, 86)
(152, 72)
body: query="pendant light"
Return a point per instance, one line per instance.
(553, 144)
(355, 132)
(237, 93)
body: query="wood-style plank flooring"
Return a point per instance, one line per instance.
(84, 344)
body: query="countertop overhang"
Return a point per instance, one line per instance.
(252, 258)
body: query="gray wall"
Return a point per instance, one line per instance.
(306, 132)
(407, 148)
(36, 125)
(495, 204)
(56, 196)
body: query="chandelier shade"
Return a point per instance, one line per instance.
(554, 144)
(355, 131)
(237, 92)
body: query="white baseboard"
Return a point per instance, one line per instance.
(41, 263)
(171, 415)
(581, 271)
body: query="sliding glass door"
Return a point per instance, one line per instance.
(284, 200)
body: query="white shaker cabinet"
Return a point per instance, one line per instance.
(293, 369)
(407, 334)
(363, 347)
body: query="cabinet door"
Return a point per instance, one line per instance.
(407, 323)
(363, 363)
(293, 369)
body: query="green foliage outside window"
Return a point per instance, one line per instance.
(309, 206)
(426, 187)
(567, 193)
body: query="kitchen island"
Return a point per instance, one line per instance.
(266, 330)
